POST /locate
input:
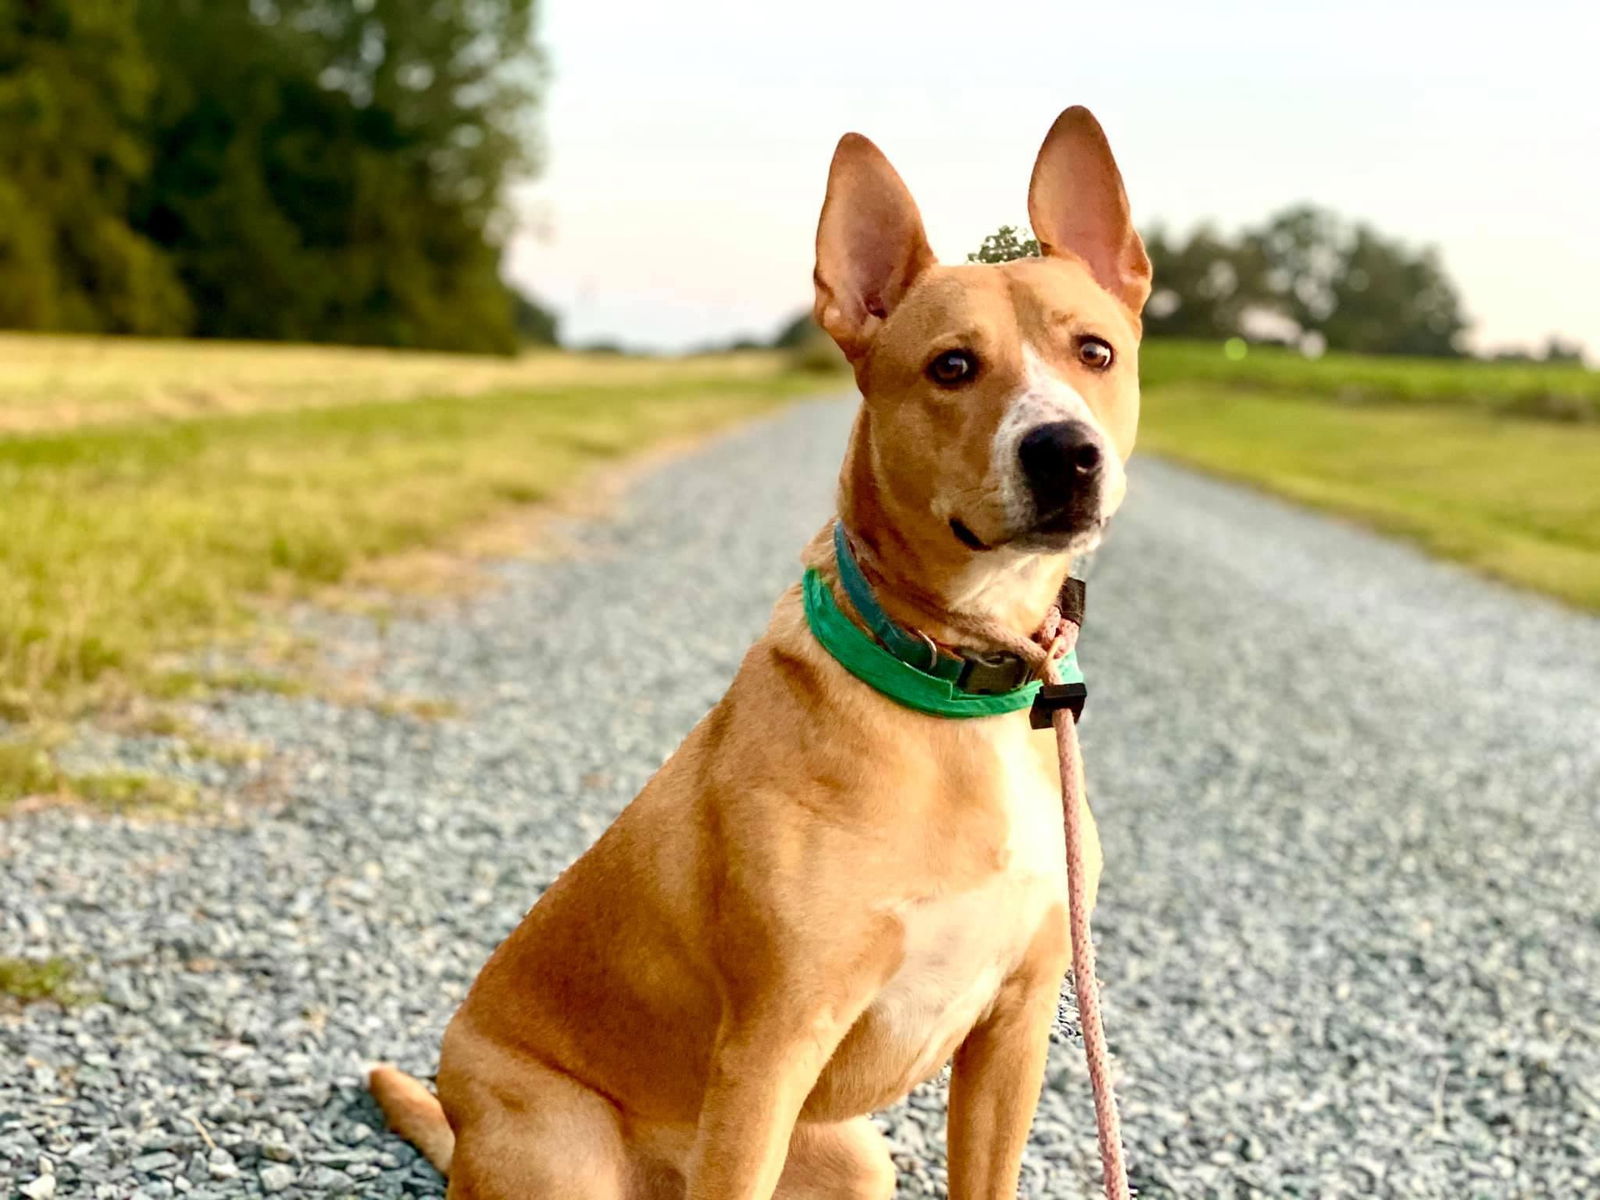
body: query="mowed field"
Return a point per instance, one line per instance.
(1493, 465)
(157, 495)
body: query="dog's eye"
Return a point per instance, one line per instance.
(1095, 353)
(953, 368)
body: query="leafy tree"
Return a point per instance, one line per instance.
(536, 324)
(334, 170)
(1343, 283)
(796, 331)
(74, 87)
(460, 78)
(806, 347)
(1359, 290)
(1004, 244)
(310, 169)
(1203, 284)
(1558, 350)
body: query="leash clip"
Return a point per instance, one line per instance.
(1052, 698)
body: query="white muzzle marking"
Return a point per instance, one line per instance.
(1043, 399)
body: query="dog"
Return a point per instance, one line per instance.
(826, 894)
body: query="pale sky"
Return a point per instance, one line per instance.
(688, 140)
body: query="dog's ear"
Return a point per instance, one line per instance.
(870, 244)
(1079, 209)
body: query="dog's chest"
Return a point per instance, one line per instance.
(961, 945)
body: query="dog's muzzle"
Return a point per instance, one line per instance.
(1063, 464)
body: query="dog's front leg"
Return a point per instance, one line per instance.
(997, 1074)
(766, 1062)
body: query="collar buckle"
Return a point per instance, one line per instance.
(991, 673)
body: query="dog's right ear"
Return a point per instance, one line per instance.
(870, 245)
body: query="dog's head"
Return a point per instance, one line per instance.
(1000, 402)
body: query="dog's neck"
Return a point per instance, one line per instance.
(925, 579)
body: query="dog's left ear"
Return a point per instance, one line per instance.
(1079, 209)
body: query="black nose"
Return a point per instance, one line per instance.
(1058, 460)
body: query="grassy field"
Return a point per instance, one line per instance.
(1564, 393)
(53, 383)
(138, 520)
(1443, 453)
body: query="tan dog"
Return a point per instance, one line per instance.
(824, 895)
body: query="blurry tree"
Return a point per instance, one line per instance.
(461, 79)
(1558, 350)
(1357, 289)
(806, 347)
(334, 170)
(1304, 269)
(536, 324)
(330, 170)
(1204, 284)
(796, 331)
(74, 86)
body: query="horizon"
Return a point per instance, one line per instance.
(649, 167)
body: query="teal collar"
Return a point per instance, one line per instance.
(909, 668)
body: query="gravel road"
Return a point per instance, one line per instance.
(1348, 928)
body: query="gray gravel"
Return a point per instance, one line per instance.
(1349, 925)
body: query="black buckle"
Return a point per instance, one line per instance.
(991, 673)
(1052, 698)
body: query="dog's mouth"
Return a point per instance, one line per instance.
(1066, 529)
(1078, 516)
(966, 537)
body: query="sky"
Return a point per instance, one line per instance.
(687, 141)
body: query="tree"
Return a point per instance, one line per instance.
(1304, 271)
(333, 170)
(74, 88)
(329, 170)
(1558, 350)
(1357, 289)
(1204, 285)
(460, 78)
(796, 331)
(536, 324)
(1005, 244)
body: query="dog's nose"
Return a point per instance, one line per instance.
(1058, 459)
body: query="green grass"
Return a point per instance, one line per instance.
(28, 772)
(1516, 498)
(1567, 393)
(125, 540)
(30, 980)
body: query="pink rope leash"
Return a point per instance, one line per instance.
(1085, 984)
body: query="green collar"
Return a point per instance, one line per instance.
(908, 669)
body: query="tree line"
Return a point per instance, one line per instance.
(1304, 276)
(328, 170)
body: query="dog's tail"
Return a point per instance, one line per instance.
(413, 1112)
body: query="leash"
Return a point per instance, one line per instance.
(1058, 705)
(1085, 984)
